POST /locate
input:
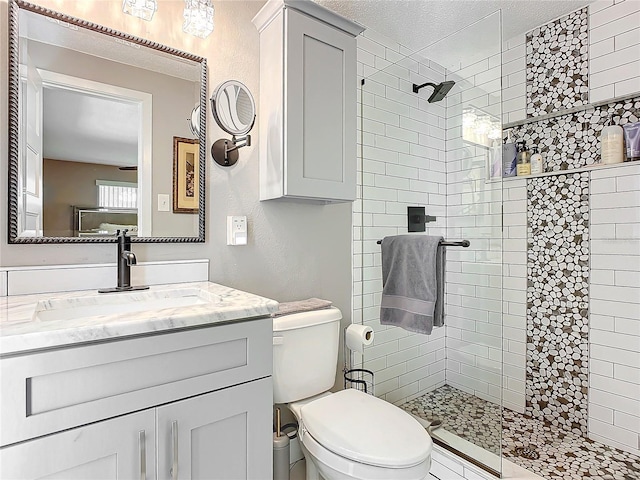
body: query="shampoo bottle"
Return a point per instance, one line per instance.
(537, 163)
(509, 157)
(632, 140)
(523, 159)
(612, 143)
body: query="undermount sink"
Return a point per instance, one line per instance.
(120, 303)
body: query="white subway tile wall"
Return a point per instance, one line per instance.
(514, 294)
(514, 78)
(474, 302)
(614, 53)
(402, 139)
(614, 341)
(448, 466)
(614, 57)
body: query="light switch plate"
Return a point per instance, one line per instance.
(236, 230)
(163, 202)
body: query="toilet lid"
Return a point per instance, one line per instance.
(366, 429)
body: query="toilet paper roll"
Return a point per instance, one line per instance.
(357, 336)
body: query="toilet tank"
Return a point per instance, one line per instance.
(305, 353)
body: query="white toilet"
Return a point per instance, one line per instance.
(348, 434)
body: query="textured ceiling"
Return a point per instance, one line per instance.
(419, 23)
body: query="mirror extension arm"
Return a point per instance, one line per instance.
(225, 155)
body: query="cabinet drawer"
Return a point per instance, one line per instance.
(51, 391)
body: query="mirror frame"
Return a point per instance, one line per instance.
(14, 8)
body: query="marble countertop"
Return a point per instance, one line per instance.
(22, 329)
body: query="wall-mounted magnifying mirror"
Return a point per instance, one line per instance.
(194, 121)
(234, 110)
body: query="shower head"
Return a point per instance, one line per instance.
(439, 91)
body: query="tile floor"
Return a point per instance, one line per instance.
(560, 454)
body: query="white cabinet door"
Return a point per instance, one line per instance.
(223, 435)
(320, 106)
(122, 448)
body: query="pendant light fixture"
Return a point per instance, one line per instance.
(140, 8)
(198, 18)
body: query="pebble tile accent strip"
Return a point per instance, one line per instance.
(562, 455)
(557, 370)
(573, 140)
(557, 59)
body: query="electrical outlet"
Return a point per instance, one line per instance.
(236, 230)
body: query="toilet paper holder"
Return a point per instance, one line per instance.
(358, 378)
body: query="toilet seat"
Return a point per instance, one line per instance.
(337, 467)
(364, 429)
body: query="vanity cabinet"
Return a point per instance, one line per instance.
(307, 113)
(202, 400)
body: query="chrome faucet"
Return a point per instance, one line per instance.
(126, 258)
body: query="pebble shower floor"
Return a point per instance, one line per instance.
(561, 454)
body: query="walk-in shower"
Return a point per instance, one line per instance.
(514, 373)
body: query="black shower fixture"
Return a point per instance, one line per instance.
(440, 90)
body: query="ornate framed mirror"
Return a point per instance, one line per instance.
(93, 114)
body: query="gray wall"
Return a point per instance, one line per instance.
(295, 250)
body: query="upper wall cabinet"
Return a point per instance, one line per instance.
(307, 102)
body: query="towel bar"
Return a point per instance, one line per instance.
(447, 243)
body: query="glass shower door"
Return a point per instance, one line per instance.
(438, 148)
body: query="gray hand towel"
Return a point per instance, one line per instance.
(413, 283)
(309, 304)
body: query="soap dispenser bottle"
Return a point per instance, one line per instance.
(537, 163)
(612, 143)
(523, 159)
